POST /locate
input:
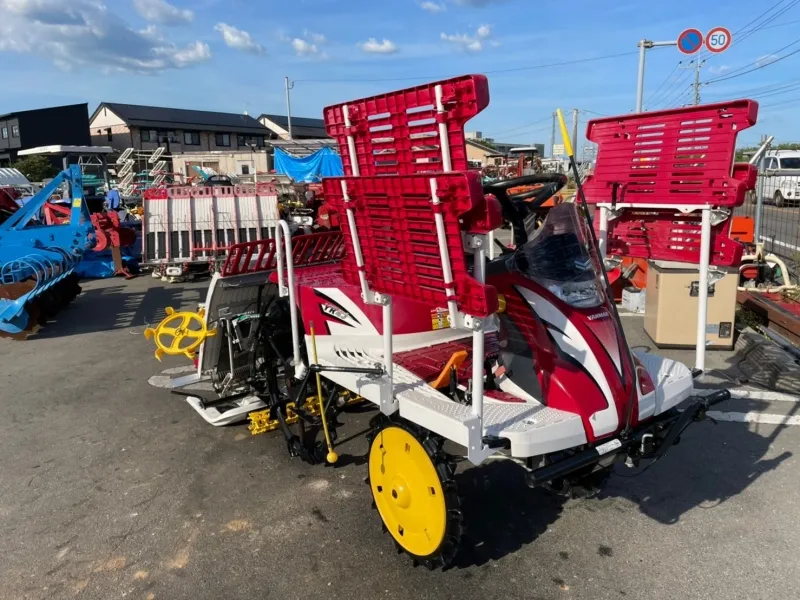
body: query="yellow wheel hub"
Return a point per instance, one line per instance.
(408, 491)
(177, 328)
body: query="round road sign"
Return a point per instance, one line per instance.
(718, 39)
(690, 41)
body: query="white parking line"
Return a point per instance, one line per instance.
(765, 238)
(764, 395)
(754, 417)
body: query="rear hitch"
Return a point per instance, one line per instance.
(667, 429)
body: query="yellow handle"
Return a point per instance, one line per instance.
(332, 457)
(564, 133)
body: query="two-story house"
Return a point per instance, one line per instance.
(179, 130)
(57, 125)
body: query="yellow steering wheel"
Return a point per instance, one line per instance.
(179, 333)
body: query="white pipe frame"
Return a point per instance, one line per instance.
(702, 292)
(475, 431)
(282, 235)
(388, 403)
(444, 255)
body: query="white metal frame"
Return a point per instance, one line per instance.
(709, 216)
(475, 449)
(282, 235)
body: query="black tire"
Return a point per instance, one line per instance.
(778, 199)
(752, 197)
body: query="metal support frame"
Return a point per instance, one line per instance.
(280, 231)
(709, 216)
(444, 255)
(766, 142)
(389, 404)
(702, 292)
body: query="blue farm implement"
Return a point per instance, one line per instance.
(37, 261)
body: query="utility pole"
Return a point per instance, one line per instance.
(697, 65)
(289, 86)
(575, 129)
(553, 137)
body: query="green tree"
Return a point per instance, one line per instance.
(35, 167)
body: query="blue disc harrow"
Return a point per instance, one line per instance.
(37, 261)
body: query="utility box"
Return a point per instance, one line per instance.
(671, 306)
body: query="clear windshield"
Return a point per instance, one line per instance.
(561, 257)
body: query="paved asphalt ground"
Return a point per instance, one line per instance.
(111, 488)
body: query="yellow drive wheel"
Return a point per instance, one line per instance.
(413, 491)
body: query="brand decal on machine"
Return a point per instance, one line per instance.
(596, 316)
(331, 308)
(334, 312)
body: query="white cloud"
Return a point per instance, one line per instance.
(196, 52)
(316, 38)
(471, 43)
(237, 39)
(373, 46)
(477, 3)
(159, 11)
(304, 48)
(433, 7)
(86, 33)
(719, 70)
(766, 59)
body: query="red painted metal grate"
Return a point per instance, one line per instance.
(396, 227)
(672, 157)
(667, 234)
(427, 363)
(259, 256)
(398, 133)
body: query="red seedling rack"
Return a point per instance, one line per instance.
(397, 233)
(307, 250)
(667, 234)
(400, 133)
(672, 157)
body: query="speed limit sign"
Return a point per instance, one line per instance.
(718, 40)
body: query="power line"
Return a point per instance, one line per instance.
(666, 79)
(754, 63)
(705, 54)
(520, 127)
(756, 68)
(759, 89)
(495, 72)
(670, 95)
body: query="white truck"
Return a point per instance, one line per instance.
(780, 170)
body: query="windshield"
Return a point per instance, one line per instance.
(561, 257)
(790, 163)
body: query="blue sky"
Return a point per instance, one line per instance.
(232, 55)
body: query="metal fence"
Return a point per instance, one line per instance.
(777, 221)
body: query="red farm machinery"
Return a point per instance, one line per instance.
(460, 356)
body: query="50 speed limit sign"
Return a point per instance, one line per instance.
(718, 39)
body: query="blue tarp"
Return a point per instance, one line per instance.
(323, 163)
(99, 265)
